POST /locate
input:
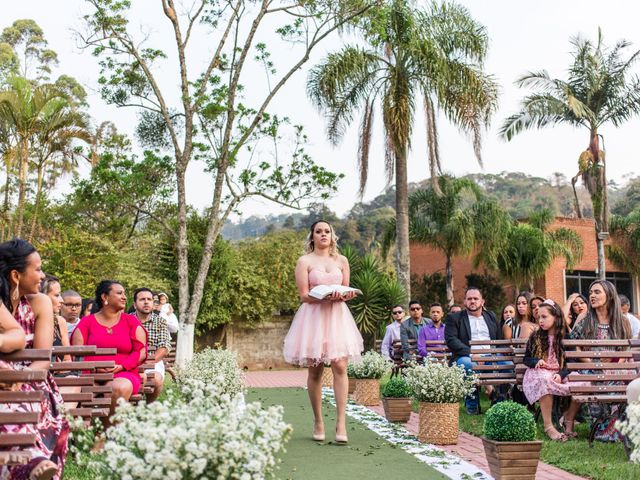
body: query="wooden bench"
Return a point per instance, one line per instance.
(12, 443)
(595, 376)
(485, 354)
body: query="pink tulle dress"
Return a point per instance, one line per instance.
(321, 332)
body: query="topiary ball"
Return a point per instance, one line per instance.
(509, 422)
(397, 387)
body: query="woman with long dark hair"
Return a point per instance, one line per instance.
(323, 331)
(20, 277)
(522, 324)
(111, 327)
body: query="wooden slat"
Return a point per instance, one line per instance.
(27, 355)
(74, 381)
(106, 351)
(490, 342)
(21, 397)
(599, 354)
(98, 389)
(77, 397)
(603, 365)
(496, 375)
(100, 412)
(74, 350)
(80, 366)
(103, 377)
(595, 343)
(597, 389)
(485, 358)
(84, 412)
(22, 376)
(583, 377)
(97, 402)
(600, 398)
(17, 439)
(491, 351)
(492, 367)
(10, 418)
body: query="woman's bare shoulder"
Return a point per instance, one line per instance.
(39, 301)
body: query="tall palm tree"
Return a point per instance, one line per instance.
(532, 247)
(435, 53)
(23, 105)
(600, 89)
(458, 221)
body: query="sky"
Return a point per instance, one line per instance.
(524, 36)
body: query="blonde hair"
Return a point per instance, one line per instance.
(333, 245)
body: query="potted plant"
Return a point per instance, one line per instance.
(352, 378)
(439, 388)
(368, 373)
(509, 441)
(396, 400)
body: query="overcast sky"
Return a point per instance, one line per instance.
(523, 36)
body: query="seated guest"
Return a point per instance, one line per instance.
(166, 312)
(522, 325)
(534, 303)
(506, 323)
(455, 308)
(392, 332)
(71, 309)
(474, 323)
(575, 309)
(20, 277)
(434, 330)
(625, 304)
(87, 307)
(410, 328)
(159, 339)
(110, 327)
(546, 374)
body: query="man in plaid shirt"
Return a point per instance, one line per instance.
(158, 337)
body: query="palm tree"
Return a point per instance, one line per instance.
(625, 251)
(600, 89)
(458, 222)
(435, 53)
(532, 247)
(22, 106)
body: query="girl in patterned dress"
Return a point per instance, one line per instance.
(546, 375)
(20, 277)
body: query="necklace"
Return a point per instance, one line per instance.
(110, 330)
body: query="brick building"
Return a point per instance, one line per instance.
(557, 283)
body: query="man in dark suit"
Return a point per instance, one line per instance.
(410, 328)
(474, 323)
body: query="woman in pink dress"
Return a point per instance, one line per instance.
(323, 331)
(110, 327)
(20, 277)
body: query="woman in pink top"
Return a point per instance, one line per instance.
(110, 327)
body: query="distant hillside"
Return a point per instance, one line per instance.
(518, 192)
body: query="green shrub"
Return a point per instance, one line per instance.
(509, 422)
(397, 387)
(350, 371)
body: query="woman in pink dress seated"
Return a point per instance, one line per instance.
(323, 331)
(111, 327)
(20, 277)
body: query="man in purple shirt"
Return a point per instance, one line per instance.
(434, 330)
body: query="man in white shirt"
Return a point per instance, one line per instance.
(625, 304)
(474, 323)
(392, 333)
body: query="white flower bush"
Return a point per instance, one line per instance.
(631, 428)
(213, 435)
(437, 382)
(371, 366)
(217, 367)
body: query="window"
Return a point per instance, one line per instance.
(579, 281)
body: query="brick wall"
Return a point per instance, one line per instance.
(424, 259)
(259, 347)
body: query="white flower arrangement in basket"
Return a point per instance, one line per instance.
(436, 382)
(212, 435)
(631, 428)
(214, 366)
(371, 366)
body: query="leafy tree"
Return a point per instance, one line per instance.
(209, 119)
(435, 53)
(429, 288)
(601, 89)
(624, 251)
(630, 199)
(532, 247)
(26, 40)
(458, 221)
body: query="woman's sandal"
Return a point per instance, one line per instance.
(554, 434)
(567, 425)
(45, 470)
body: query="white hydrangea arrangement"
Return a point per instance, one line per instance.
(214, 366)
(371, 366)
(436, 382)
(631, 428)
(213, 435)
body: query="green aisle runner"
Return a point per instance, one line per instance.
(366, 456)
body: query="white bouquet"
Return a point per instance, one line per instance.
(217, 367)
(631, 428)
(436, 382)
(371, 366)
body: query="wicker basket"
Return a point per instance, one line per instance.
(439, 423)
(327, 377)
(367, 391)
(352, 385)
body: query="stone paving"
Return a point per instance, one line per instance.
(469, 447)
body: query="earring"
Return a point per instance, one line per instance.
(16, 293)
(106, 302)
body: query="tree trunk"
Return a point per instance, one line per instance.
(36, 206)
(184, 346)
(576, 202)
(449, 280)
(599, 201)
(22, 186)
(402, 223)
(4, 231)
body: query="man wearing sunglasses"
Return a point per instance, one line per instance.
(392, 333)
(410, 328)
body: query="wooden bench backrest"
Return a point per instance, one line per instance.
(485, 354)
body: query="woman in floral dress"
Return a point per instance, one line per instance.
(20, 277)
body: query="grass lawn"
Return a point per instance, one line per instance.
(605, 461)
(366, 456)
